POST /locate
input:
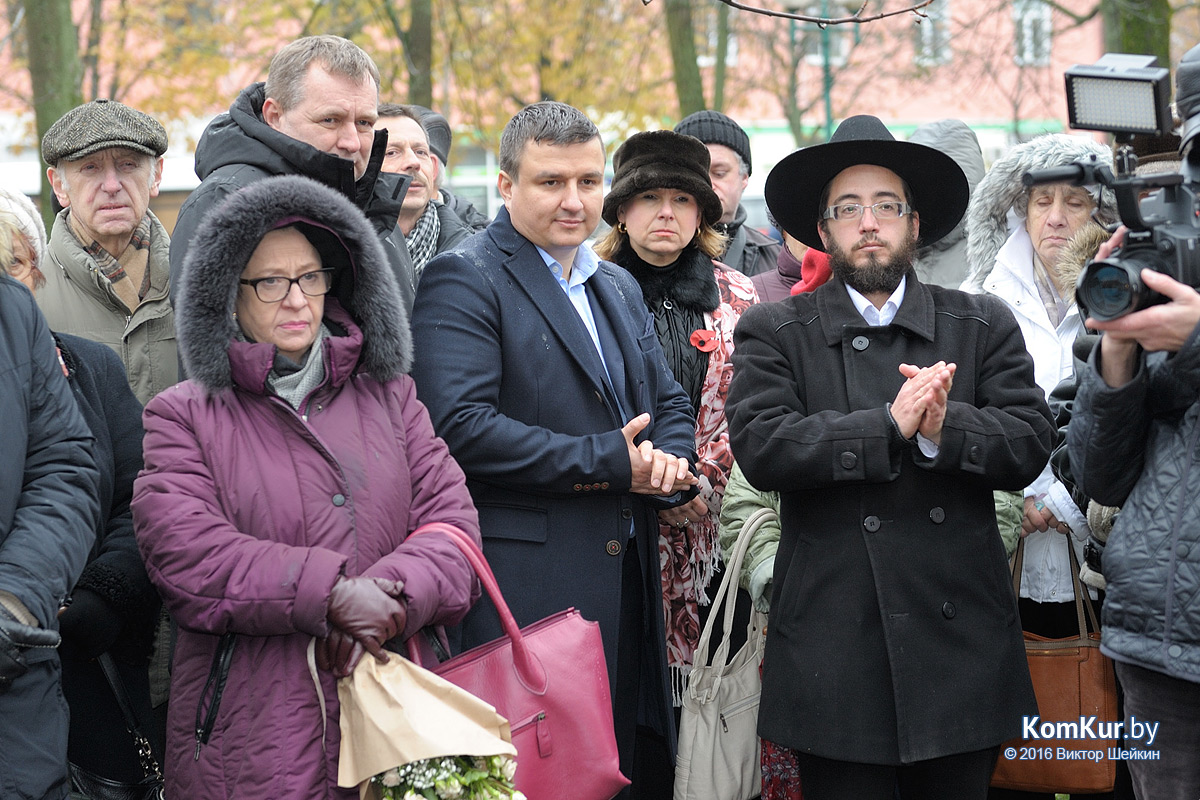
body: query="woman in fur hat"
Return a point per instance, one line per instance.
(281, 484)
(662, 208)
(1016, 236)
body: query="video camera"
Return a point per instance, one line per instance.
(1127, 95)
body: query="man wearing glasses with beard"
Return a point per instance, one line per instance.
(885, 411)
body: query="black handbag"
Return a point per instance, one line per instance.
(96, 787)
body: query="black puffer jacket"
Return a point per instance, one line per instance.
(238, 148)
(1135, 447)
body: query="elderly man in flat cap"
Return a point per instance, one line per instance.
(885, 411)
(107, 265)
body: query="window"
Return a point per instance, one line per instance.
(931, 35)
(1031, 33)
(838, 37)
(707, 22)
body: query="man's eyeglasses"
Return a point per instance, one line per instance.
(887, 209)
(275, 289)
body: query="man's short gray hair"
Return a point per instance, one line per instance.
(743, 167)
(547, 122)
(338, 56)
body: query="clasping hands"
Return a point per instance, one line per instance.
(920, 405)
(654, 472)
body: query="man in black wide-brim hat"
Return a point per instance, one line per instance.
(885, 411)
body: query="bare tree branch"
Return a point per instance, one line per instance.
(857, 18)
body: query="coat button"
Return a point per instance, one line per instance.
(613, 547)
(626, 513)
(849, 460)
(948, 610)
(339, 500)
(937, 515)
(1181, 551)
(860, 343)
(871, 523)
(974, 454)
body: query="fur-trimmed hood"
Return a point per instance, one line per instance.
(1077, 253)
(988, 213)
(364, 284)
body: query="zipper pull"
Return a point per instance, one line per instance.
(199, 744)
(724, 725)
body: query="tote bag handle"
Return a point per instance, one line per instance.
(529, 670)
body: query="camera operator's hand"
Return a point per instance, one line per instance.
(1163, 327)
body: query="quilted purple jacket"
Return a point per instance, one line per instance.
(248, 511)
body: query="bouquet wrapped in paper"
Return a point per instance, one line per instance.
(408, 734)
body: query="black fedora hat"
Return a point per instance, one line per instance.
(940, 192)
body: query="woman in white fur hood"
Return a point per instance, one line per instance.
(1015, 237)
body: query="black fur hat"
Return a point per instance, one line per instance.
(662, 160)
(364, 284)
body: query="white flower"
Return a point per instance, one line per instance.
(508, 768)
(411, 795)
(391, 778)
(449, 790)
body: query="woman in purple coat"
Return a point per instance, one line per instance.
(281, 483)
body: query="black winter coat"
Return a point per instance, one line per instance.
(48, 478)
(894, 634)
(115, 606)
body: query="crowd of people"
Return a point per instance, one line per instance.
(220, 440)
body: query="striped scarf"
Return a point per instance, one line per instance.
(422, 241)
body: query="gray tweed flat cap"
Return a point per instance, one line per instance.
(99, 125)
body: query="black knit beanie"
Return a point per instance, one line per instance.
(713, 127)
(437, 128)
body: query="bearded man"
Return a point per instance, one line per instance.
(885, 411)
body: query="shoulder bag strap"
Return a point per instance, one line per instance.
(728, 590)
(145, 754)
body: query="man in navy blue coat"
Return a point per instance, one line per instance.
(542, 371)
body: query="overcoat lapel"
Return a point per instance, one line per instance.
(531, 276)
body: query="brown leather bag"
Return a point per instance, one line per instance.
(1073, 682)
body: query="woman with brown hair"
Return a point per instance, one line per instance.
(662, 208)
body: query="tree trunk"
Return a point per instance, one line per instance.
(720, 56)
(683, 57)
(54, 71)
(420, 53)
(1141, 27)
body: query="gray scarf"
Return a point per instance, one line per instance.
(294, 382)
(422, 241)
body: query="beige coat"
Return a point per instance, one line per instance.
(78, 299)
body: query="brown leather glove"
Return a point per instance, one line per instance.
(338, 653)
(367, 610)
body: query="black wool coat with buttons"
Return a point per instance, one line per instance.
(894, 634)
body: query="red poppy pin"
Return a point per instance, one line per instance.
(704, 340)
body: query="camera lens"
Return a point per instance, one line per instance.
(1106, 289)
